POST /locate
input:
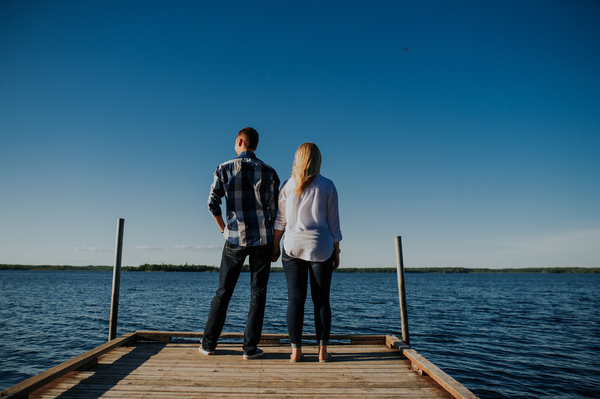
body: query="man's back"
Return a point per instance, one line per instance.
(250, 188)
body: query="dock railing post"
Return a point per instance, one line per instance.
(401, 291)
(116, 283)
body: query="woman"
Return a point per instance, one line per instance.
(308, 214)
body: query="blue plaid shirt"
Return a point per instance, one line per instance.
(250, 188)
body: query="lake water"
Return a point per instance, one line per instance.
(500, 335)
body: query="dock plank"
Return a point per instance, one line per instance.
(177, 370)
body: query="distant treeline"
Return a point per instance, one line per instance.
(55, 267)
(142, 268)
(555, 270)
(171, 268)
(204, 268)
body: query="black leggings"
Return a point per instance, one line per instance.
(296, 275)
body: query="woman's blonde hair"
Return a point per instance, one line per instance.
(307, 165)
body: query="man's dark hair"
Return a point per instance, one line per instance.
(250, 137)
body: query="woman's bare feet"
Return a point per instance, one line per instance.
(296, 355)
(324, 356)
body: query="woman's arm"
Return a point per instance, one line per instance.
(336, 255)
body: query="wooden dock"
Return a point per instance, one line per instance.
(148, 364)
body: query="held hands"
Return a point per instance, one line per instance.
(275, 254)
(277, 234)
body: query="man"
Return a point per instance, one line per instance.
(250, 188)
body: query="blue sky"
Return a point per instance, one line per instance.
(470, 128)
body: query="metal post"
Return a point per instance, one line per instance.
(401, 291)
(114, 303)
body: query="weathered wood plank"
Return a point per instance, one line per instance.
(22, 389)
(424, 394)
(129, 390)
(165, 336)
(193, 386)
(421, 364)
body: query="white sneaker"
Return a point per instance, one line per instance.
(204, 351)
(255, 355)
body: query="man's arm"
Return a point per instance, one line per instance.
(214, 200)
(273, 196)
(220, 223)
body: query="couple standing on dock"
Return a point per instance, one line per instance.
(258, 216)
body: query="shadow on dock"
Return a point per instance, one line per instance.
(98, 380)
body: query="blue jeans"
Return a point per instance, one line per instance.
(231, 266)
(296, 275)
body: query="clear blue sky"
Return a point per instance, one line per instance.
(470, 128)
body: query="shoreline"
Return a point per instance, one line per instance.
(214, 269)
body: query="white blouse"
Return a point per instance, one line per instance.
(311, 221)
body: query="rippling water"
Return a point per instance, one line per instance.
(501, 335)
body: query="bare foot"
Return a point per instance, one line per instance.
(297, 355)
(324, 356)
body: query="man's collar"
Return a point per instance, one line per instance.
(247, 154)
